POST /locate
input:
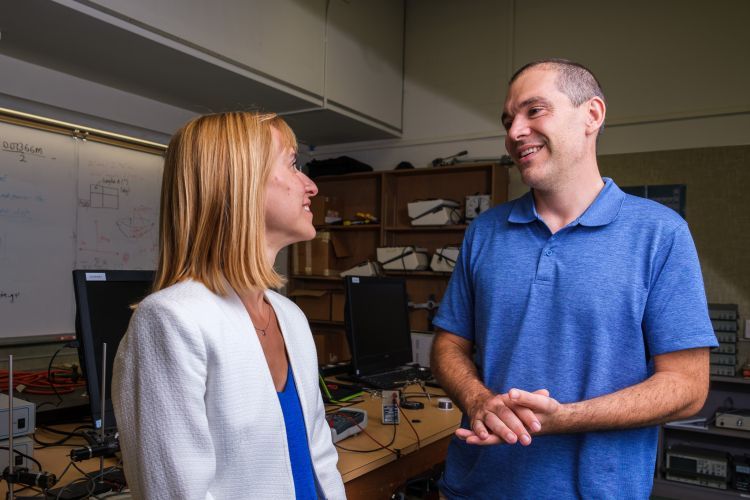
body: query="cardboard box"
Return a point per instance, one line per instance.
(421, 346)
(320, 347)
(332, 347)
(324, 206)
(337, 306)
(316, 304)
(444, 259)
(338, 347)
(403, 258)
(317, 257)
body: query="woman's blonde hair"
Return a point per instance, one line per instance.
(212, 222)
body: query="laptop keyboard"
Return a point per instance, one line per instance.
(389, 380)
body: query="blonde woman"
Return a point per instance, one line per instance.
(215, 383)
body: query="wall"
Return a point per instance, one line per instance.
(717, 181)
(671, 71)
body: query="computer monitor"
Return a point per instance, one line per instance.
(103, 310)
(377, 324)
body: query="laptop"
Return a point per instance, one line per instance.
(377, 327)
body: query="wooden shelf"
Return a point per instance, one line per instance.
(451, 169)
(418, 274)
(315, 278)
(353, 227)
(386, 194)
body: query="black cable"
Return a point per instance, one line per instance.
(382, 447)
(19, 490)
(50, 378)
(62, 441)
(73, 433)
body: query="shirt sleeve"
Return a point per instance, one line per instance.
(456, 311)
(158, 388)
(676, 312)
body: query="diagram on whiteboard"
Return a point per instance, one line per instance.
(137, 225)
(102, 197)
(118, 201)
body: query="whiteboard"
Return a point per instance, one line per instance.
(64, 204)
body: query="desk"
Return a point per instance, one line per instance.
(56, 458)
(368, 476)
(377, 474)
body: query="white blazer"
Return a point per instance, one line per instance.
(196, 406)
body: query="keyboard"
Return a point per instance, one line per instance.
(389, 380)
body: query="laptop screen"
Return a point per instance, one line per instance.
(377, 324)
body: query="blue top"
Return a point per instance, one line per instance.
(296, 438)
(580, 313)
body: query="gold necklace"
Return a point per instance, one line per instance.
(268, 323)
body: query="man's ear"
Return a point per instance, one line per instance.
(596, 113)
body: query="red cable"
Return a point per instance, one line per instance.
(38, 383)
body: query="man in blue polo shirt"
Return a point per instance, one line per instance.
(575, 315)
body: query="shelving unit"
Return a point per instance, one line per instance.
(723, 391)
(385, 195)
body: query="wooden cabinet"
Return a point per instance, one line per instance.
(385, 194)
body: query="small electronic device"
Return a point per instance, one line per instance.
(741, 476)
(336, 392)
(346, 422)
(23, 444)
(24, 413)
(693, 465)
(475, 205)
(738, 420)
(390, 411)
(408, 404)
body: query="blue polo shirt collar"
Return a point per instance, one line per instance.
(601, 212)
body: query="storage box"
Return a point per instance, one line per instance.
(332, 347)
(316, 304)
(417, 209)
(403, 258)
(438, 212)
(444, 259)
(317, 257)
(337, 306)
(368, 268)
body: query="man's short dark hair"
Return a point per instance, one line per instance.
(573, 79)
